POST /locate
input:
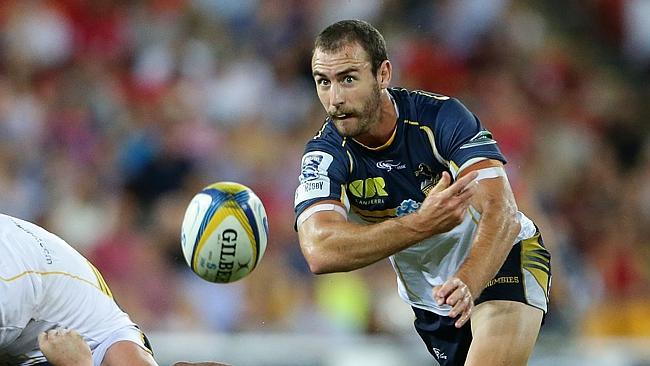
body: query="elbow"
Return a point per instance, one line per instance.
(317, 265)
(511, 221)
(321, 263)
(318, 268)
(506, 214)
(326, 264)
(317, 257)
(513, 225)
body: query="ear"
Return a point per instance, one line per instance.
(384, 73)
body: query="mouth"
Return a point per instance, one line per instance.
(342, 116)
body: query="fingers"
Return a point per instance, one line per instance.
(53, 336)
(465, 315)
(446, 289)
(462, 183)
(462, 187)
(464, 196)
(443, 183)
(455, 293)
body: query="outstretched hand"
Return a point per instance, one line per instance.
(63, 347)
(445, 206)
(455, 293)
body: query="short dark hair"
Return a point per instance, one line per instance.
(344, 32)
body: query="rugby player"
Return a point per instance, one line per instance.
(413, 176)
(55, 305)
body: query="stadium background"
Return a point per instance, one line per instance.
(114, 113)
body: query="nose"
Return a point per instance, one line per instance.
(336, 96)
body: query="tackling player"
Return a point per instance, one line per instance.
(376, 182)
(45, 284)
(47, 287)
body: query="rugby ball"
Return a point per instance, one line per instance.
(224, 232)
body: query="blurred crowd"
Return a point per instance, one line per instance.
(113, 114)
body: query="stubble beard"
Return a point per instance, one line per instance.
(369, 116)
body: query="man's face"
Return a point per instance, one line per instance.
(347, 88)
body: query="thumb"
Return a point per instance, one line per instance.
(42, 338)
(443, 183)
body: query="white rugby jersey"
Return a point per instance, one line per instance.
(46, 284)
(434, 133)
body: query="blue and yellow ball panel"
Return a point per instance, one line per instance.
(242, 199)
(228, 199)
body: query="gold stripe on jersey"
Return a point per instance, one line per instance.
(376, 214)
(145, 343)
(344, 198)
(43, 273)
(431, 95)
(454, 167)
(320, 132)
(414, 123)
(385, 145)
(476, 216)
(345, 140)
(351, 161)
(434, 149)
(100, 280)
(537, 261)
(100, 283)
(404, 282)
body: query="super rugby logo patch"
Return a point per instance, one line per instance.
(314, 178)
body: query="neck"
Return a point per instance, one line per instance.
(383, 129)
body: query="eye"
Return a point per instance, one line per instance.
(349, 79)
(323, 82)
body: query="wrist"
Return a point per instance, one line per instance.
(474, 288)
(416, 225)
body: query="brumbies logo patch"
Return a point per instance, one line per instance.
(426, 175)
(314, 179)
(424, 171)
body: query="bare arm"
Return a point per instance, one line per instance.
(332, 244)
(496, 232)
(127, 353)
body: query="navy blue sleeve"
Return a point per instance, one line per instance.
(323, 173)
(460, 137)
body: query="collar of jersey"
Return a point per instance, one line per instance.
(392, 136)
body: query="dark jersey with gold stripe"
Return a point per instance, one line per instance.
(434, 133)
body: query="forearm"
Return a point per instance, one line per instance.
(332, 244)
(495, 235)
(340, 246)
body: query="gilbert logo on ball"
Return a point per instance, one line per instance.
(224, 232)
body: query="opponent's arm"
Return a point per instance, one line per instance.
(497, 229)
(332, 244)
(127, 353)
